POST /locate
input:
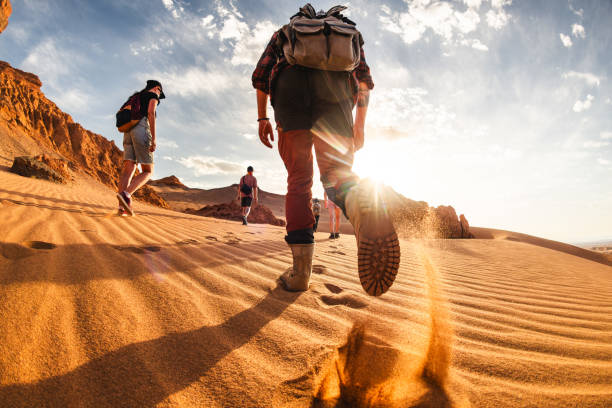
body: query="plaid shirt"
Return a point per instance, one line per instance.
(272, 62)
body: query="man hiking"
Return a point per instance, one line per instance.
(316, 211)
(139, 145)
(247, 192)
(314, 71)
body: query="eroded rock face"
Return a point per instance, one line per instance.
(5, 12)
(49, 169)
(147, 194)
(232, 211)
(24, 110)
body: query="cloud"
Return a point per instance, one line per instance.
(580, 106)
(476, 44)
(207, 165)
(591, 79)
(442, 18)
(249, 47)
(191, 81)
(578, 31)
(171, 144)
(603, 161)
(566, 40)
(594, 144)
(606, 135)
(249, 136)
(172, 8)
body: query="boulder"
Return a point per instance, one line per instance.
(32, 166)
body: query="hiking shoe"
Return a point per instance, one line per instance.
(244, 221)
(121, 212)
(378, 248)
(332, 236)
(337, 235)
(125, 202)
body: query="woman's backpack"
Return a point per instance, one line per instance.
(325, 41)
(129, 114)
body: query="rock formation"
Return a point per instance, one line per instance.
(43, 167)
(5, 12)
(232, 211)
(25, 113)
(170, 181)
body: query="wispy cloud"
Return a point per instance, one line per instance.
(566, 40)
(581, 106)
(591, 79)
(208, 165)
(578, 31)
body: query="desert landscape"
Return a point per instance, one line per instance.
(178, 307)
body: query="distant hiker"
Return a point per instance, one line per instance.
(247, 192)
(136, 119)
(334, 218)
(316, 211)
(314, 71)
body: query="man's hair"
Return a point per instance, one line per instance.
(250, 168)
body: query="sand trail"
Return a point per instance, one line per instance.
(167, 309)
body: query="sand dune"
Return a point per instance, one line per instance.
(168, 309)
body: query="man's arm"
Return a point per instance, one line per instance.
(255, 190)
(363, 99)
(151, 117)
(266, 133)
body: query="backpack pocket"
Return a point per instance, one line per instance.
(309, 43)
(343, 46)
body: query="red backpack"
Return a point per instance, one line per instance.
(129, 114)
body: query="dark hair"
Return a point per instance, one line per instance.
(250, 168)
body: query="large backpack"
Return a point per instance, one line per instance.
(326, 41)
(129, 114)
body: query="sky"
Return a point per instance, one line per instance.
(500, 108)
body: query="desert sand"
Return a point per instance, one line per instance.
(168, 309)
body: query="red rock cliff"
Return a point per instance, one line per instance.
(5, 12)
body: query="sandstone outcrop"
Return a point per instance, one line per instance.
(147, 194)
(25, 113)
(5, 13)
(232, 211)
(170, 181)
(42, 167)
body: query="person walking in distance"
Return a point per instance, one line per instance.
(139, 142)
(247, 193)
(334, 218)
(316, 211)
(314, 71)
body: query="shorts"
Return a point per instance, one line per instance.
(137, 142)
(311, 99)
(246, 201)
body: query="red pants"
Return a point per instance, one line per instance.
(335, 159)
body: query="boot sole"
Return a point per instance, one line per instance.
(378, 255)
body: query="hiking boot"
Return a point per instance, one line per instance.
(332, 236)
(378, 247)
(121, 212)
(126, 202)
(244, 221)
(337, 235)
(297, 278)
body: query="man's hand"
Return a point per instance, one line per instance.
(358, 136)
(266, 133)
(152, 147)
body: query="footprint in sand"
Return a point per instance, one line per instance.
(336, 252)
(138, 250)
(39, 245)
(211, 238)
(187, 242)
(348, 300)
(319, 269)
(333, 288)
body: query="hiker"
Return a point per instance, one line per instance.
(316, 211)
(247, 193)
(334, 218)
(138, 142)
(314, 72)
